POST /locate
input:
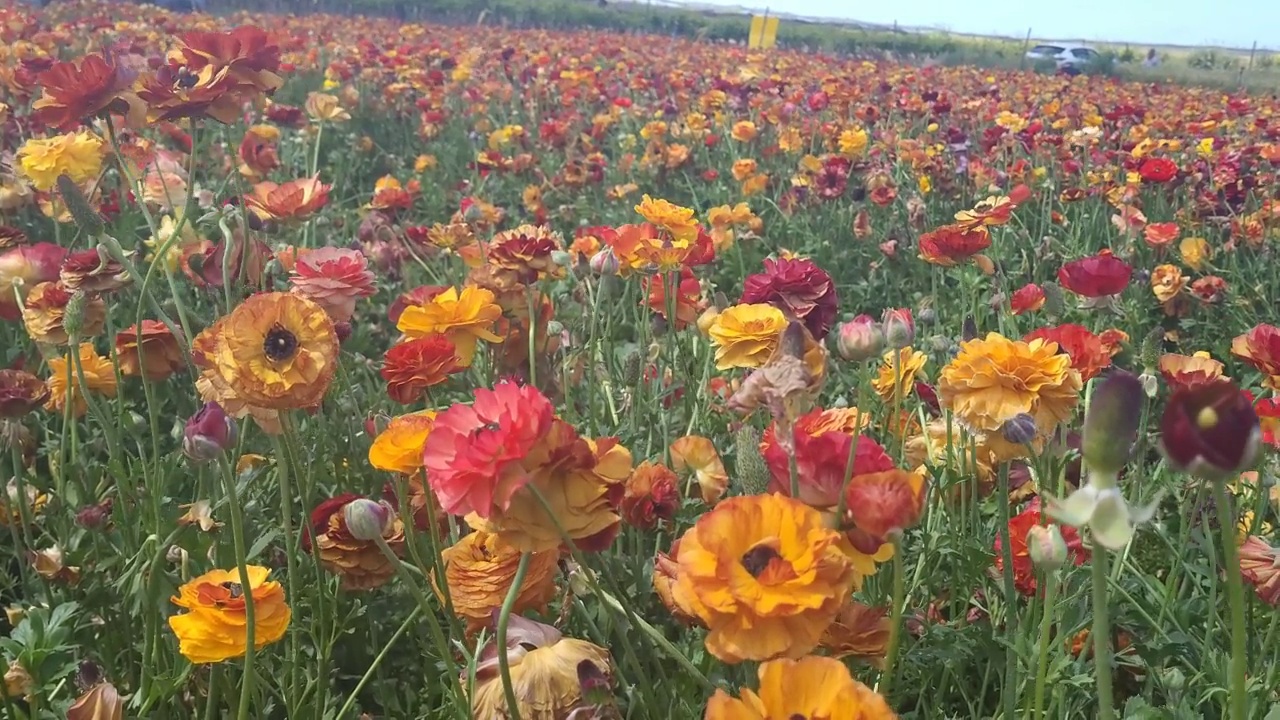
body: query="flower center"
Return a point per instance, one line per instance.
(758, 558)
(186, 79)
(280, 344)
(1207, 418)
(235, 589)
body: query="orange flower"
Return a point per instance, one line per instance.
(679, 222)
(642, 248)
(479, 570)
(214, 388)
(1260, 347)
(883, 504)
(100, 702)
(215, 629)
(398, 448)
(894, 386)
(275, 350)
(652, 493)
(246, 52)
(1167, 282)
(44, 314)
(1088, 355)
(811, 687)
(1159, 235)
(687, 300)
(995, 210)
(526, 254)
(290, 203)
(859, 631)
(91, 86)
(149, 351)
(99, 377)
(411, 367)
(746, 335)
(994, 379)
(665, 572)
(951, 245)
(360, 564)
(464, 318)
(1184, 372)
(697, 454)
(765, 575)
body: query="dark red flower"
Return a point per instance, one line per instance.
(797, 287)
(411, 367)
(1158, 170)
(20, 393)
(652, 493)
(1098, 276)
(1211, 431)
(320, 516)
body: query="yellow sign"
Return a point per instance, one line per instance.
(764, 32)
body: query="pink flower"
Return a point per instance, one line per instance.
(334, 278)
(1260, 566)
(30, 264)
(474, 452)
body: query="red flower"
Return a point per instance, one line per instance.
(20, 393)
(883, 503)
(90, 272)
(1268, 410)
(1260, 347)
(90, 86)
(652, 493)
(798, 288)
(1159, 235)
(473, 454)
(953, 244)
(32, 264)
(1087, 353)
(822, 442)
(1024, 576)
(321, 514)
(1028, 298)
(1209, 288)
(411, 367)
(1158, 170)
(1093, 277)
(688, 294)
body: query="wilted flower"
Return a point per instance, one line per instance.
(323, 107)
(100, 702)
(545, 670)
(52, 313)
(698, 454)
(20, 393)
(652, 493)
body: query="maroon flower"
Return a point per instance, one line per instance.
(798, 288)
(20, 393)
(1093, 277)
(1211, 431)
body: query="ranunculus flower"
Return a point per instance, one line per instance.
(1099, 276)
(149, 351)
(546, 670)
(209, 433)
(699, 455)
(652, 493)
(688, 296)
(1260, 347)
(1024, 573)
(1189, 371)
(1028, 298)
(951, 245)
(20, 393)
(810, 687)
(1158, 170)
(23, 268)
(799, 288)
(290, 203)
(822, 439)
(1211, 430)
(46, 309)
(766, 576)
(1260, 567)
(333, 278)
(746, 335)
(882, 504)
(1088, 356)
(214, 627)
(465, 317)
(360, 563)
(479, 570)
(398, 448)
(411, 367)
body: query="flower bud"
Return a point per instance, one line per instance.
(82, 212)
(554, 327)
(1047, 548)
(366, 519)
(899, 328)
(605, 263)
(860, 339)
(1111, 423)
(1054, 301)
(94, 517)
(208, 433)
(561, 258)
(73, 314)
(1020, 429)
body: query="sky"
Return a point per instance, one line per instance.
(1226, 23)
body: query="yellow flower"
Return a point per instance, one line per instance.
(766, 576)
(1195, 252)
(465, 318)
(164, 233)
(215, 628)
(852, 142)
(99, 377)
(745, 335)
(424, 163)
(811, 687)
(743, 131)
(1167, 282)
(995, 379)
(275, 350)
(322, 107)
(676, 220)
(398, 448)
(77, 155)
(696, 453)
(910, 362)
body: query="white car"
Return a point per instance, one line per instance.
(1065, 55)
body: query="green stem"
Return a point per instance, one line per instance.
(504, 617)
(532, 332)
(895, 620)
(1235, 595)
(377, 661)
(237, 534)
(286, 526)
(1010, 596)
(1102, 634)
(1046, 628)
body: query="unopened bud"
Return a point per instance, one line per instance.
(208, 433)
(1054, 301)
(899, 328)
(561, 258)
(1152, 348)
(73, 315)
(749, 465)
(366, 519)
(605, 262)
(82, 212)
(1020, 429)
(859, 339)
(554, 327)
(1111, 422)
(1047, 548)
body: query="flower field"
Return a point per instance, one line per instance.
(354, 368)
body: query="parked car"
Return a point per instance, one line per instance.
(1067, 56)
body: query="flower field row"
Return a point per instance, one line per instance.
(356, 368)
